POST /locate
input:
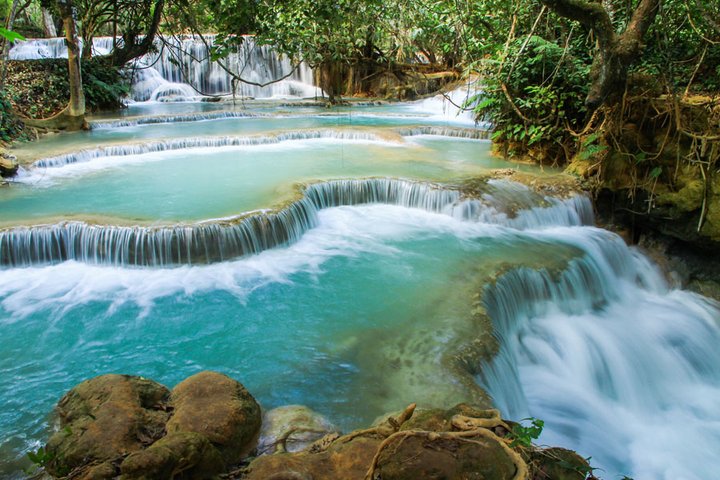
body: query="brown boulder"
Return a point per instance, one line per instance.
(413, 457)
(347, 461)
(186, 452)
(104, 418)
(558, 464)
(219, 408)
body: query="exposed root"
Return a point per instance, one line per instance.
(467, 436)
(390, 426)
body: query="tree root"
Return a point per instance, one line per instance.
(60, 121)
(385, 429)
(467, 436)
(471, 429)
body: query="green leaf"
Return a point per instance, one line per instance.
(655, 172)
(9, 35)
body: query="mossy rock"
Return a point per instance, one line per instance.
(219, 408)
(343, 460)
(711, 227)
(558, 464)
(417, 457)
(105, 418)
(178, 455)
(689, 198)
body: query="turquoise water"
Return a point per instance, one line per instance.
(314, 323)
(271, 120)
(204, 183)
(304, 324)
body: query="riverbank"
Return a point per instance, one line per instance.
(210, 425)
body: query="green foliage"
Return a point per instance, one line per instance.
(9, 125)
(40, 458)
(104, 85)
(524, 436)
(591, 148)
(538, 92)
(9, 35)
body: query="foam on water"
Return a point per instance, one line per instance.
(210, 242)
(619, 366)
(341, 231)
(454, 106)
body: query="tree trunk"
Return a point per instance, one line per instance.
(48, 23)
(73, 116)
(76, 107)
(132, 49)
(615, 52)
(4, 44)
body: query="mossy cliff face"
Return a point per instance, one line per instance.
(657, 169)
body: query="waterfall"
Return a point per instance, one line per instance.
(455, 105)
(188, 117)
(186, 60)
(470, 133)
(40, 48)
(133, 149)
(200, 142)
(215, 241)
(181, 69)
(617, 364)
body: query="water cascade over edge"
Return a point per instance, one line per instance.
(252, 140)
(617, 364)
(216, 241)
(181, 69)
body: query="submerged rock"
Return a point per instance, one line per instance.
(291, 428)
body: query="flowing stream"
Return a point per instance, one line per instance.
(334, 259)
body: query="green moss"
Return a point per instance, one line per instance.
(689, 198)
(711, 227)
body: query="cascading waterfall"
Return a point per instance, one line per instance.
(181, 69)
(199, 142)
(470, 133)
(455, 105)
(234, 141)
(618, 365)
(191, 117)
(221, 240)
(186, 60)
(40, 48)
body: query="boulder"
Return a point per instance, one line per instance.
(414, 457)
(219, 408)
(343, 460)
(103, 419)
(186, 452)
(559, 464)
(8, 164)
(291, 428)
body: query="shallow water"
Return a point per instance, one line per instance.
(203, 183)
